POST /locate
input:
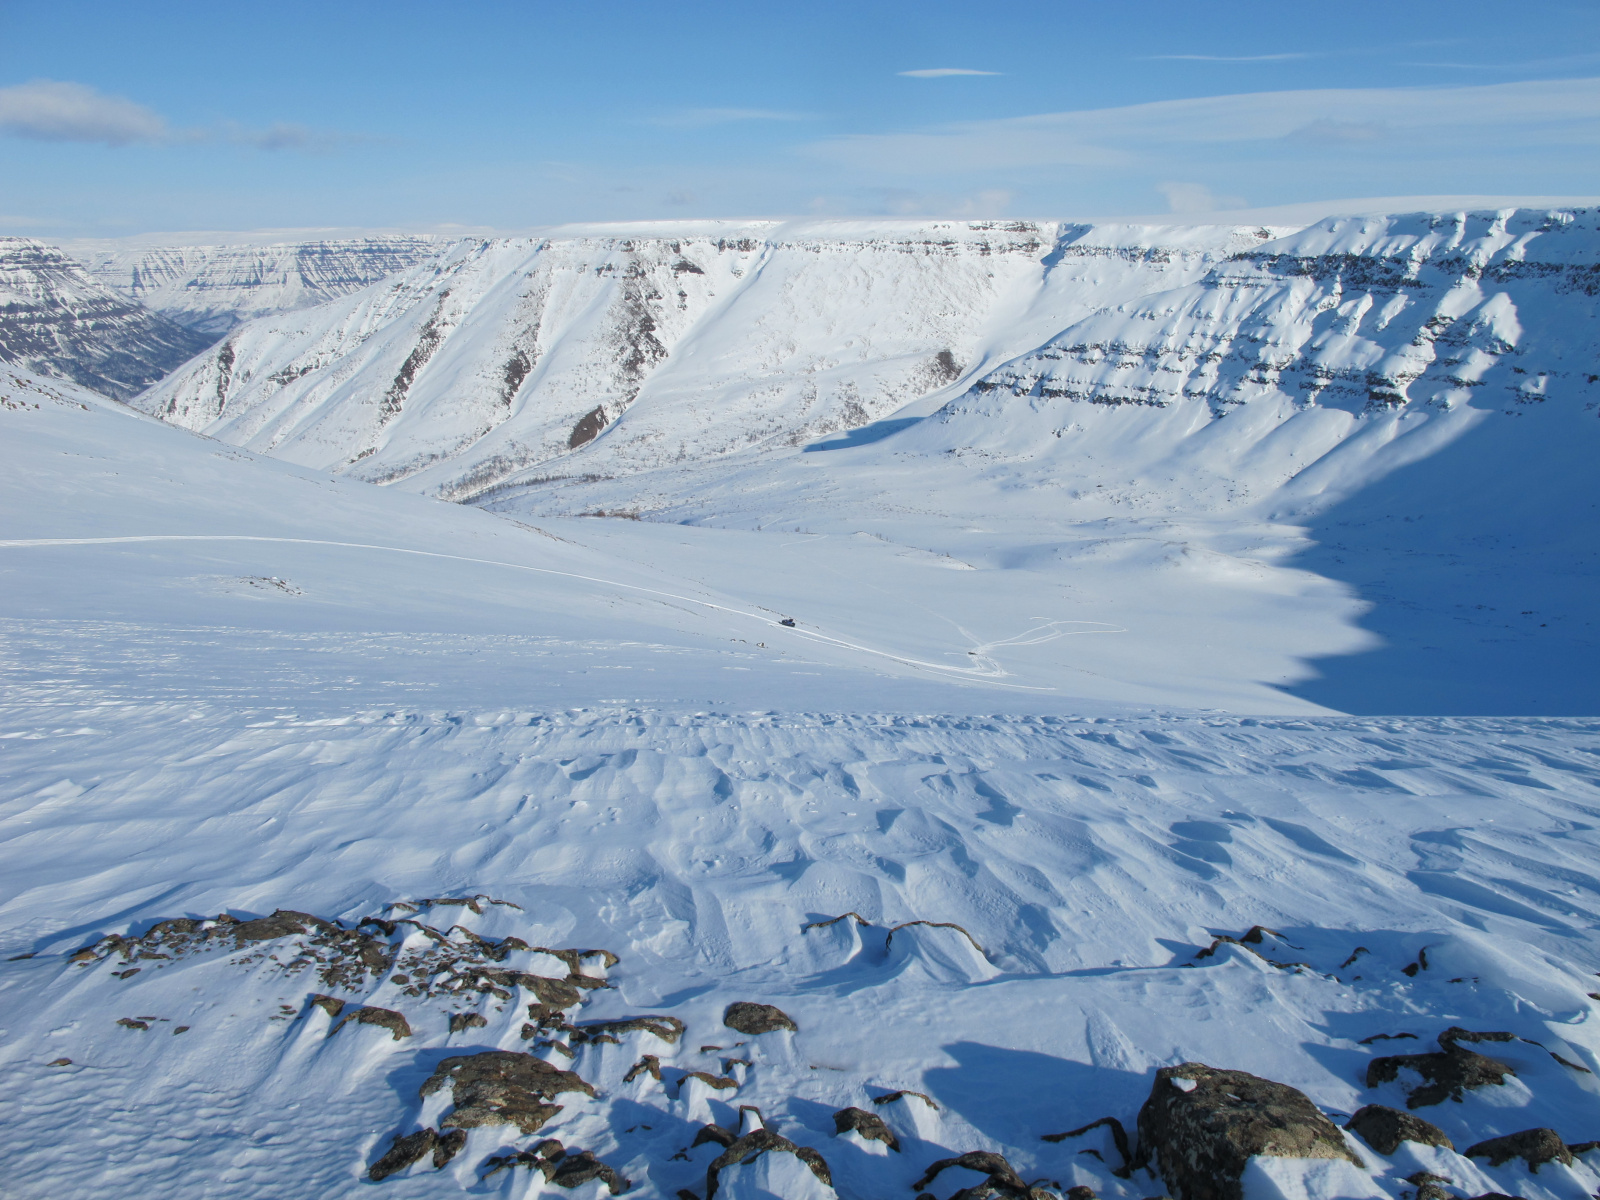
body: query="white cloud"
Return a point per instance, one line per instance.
(52, 111)
(1433, 122)
(699, 118)
(942, 72)
(1196, 198)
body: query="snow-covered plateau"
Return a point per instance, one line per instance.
(878, 726)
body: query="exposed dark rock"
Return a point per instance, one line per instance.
(502, 1087)
(331, 1005)
(1429, 1186)
(132, 1023)
(1202, 1135)
(461, 1022)
(1385, 1128)
(406, 1149)
(756, 1143)
(588, 428)
(860, 920)
(62, 1062)
(746, 1016)
(891, 1097)
(649, 1064)
(721, 1082)
(1080, 1192)
(714, 1133)
(447, 1145)
(384, 1018)
(889, 940)
(573, 1170)
(1119, 1136)
(1534, 1146)
(668, 1029)
(1003, 1180)
(868, 1125)
(1385, 1037)
(1448, 1072)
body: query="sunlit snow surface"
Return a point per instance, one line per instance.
(235, 685)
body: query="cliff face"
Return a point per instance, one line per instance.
(623, 350)
(213, 288)
(56, 320)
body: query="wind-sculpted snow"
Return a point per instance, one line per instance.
(1410, 877)
(56, 320)
(210, 289)
(619, 350)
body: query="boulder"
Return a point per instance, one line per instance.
(1534, 1146)
(1447, 1073)
(502, 1087)
(1385, 1128)
(868, 1125)
(763, 1141)
(406, 1149)
(1203, 1125)
(745, 1016)
(383, 1018)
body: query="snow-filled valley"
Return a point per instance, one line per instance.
(943, 634)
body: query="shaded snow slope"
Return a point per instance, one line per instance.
(615, 351)
(212, 288)
(57, 320)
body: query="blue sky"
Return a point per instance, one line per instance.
(119, 118)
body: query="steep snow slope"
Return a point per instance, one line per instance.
(57, 320)
(212, 288)
(619, 349)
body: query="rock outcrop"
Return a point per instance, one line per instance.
(1385, 1128)
(1447, 1073)
(502, 1087)
(747, 1017)
(1202, 1125)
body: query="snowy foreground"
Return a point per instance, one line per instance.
(236, 686)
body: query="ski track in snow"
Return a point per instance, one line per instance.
(987, 668)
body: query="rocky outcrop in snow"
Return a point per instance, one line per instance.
(56, 320)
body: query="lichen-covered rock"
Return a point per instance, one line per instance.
(668, 1029)
(1447, 1072)
(502, 1087)
(1385, 1128)
(748, 1017)
(405, 1150)
(383, 1018)
(573, 1170)
(756, 1143)
(1003, 1182)
(868, 1125)
(1534, 1146)
(1203, 1125)
(461, 1022)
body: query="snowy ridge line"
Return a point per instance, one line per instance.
(993, 669)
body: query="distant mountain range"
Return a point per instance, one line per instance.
(212, 288)
(58, 320)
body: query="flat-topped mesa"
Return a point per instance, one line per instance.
(627, 347)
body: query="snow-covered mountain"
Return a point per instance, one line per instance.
(55, 319)
(614, 349)
(212, 288)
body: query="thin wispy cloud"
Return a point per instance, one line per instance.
(1450, 121)
(700, 118)
(49, 110)
(1222, 58)
(942, 72)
